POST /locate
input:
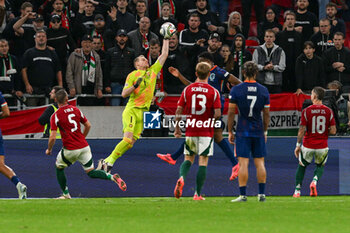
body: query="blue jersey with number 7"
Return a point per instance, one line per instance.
(251, 98)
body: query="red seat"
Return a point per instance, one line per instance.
(253, 29)
(180, 27)
(251, 45)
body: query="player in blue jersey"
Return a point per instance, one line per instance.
(251, 99)
(4, 169)
(216, 79)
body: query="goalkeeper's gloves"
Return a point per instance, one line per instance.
(138, 82)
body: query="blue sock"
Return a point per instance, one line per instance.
(243, 190)
(261, 188)
(179, 152)
(14, 180)
(226, 148)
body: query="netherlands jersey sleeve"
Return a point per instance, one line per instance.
(267, 99)
(223, 74)
(232, 96)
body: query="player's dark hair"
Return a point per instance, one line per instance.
(202, 70)
(57, 88)
(331, 4)
(206, 56)
(308, 43)
(339, 34)
(154, 41)
(319, 92)
(25, 5)
(250, 69)
(61, 96)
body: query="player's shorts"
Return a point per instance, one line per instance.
(254, 146)
(133, 121)
(199, 146)
(2, 151)
(307, 154)
(66, 158)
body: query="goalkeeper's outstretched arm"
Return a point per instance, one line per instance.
(165, 51)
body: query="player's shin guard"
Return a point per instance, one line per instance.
(122, 147)
(299, 176)
(226, 148)
(201, 175)
(318, 173)
(185, 167)
(100, 174)
(62, 181)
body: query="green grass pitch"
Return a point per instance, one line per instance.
(215, 214)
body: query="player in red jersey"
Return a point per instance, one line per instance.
(317, 121)
(201, 102)
(75, 147)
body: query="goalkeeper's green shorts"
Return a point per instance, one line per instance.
(133, 121)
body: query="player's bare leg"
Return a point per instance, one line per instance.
(242, 179)
(184, 169)
(10, 174)
(226, 148)
(261, 177)
(201, 176)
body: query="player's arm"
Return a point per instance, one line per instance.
(176, 73)
(178, 116)
(217, 113)
(87, 127)
(165, 51)
(52, 140)
(266, 119)
(332, 130)
(301, 133)
(5, 111)
(233, 80)
(128, 90)
(230, 121)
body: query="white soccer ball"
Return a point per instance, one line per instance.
(167, 30)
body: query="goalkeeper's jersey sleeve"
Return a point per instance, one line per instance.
(142, 96)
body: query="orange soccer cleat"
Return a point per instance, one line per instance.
(235, 171)
(313, 190)
(119, 182)
(296, 195)
(198, 198)
(167, 158)
(178, 188)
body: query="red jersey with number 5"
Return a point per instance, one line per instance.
(199, 101)
(317, 119)
(68, 118)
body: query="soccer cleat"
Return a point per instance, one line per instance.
(119, 182)
(167, 158)
(102, 165)
(241, 198)
(235, 170)
(22, 190)
(296, 195)
(198, 198)
(178, 188)
(313, 190)
(261, 197)
(64, 196)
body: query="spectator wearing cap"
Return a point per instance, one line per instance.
(118, 64)
(28, 32)
(209, 20)
(41, 69)
(125, 19)
(62, 41)
(101, 31)
(165, 17)
(84, 73)
(139, 38)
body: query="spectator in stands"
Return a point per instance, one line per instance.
(271, 61)
(323, 39)
(41, 68)
(187, 7)
(139, 38)
(234, 26)
(97, 47)
(309, 70)
(337, 24)
(119, 63)
(337, 61)
(10, 77)
(240, 55)
(178, 60)
(153, 52)
(165, 17)
(247, 9)
(306, 21)
(84, 73)
(156, 6)
(84, 21)
(209, 20)
(101, 31)
(220, 7)
(125, 19)
(141, 10)
(291, 42)
(58, 9)
(229, 61)
(3, 16)
(270, 22)
(193, 35)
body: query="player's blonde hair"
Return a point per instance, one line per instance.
(202, 70)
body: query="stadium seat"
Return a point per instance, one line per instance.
(253, 29)
(180, 27)
(251, 44)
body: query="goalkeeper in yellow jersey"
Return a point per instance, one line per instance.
(139, 87)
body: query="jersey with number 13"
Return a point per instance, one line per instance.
(68, 118)
(317, 119)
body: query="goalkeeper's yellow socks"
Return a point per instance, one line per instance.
(201, 175)
(123, 146)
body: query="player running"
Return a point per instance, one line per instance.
(4, 169)
(317, 121)
(75, 147)
(201, 102)
(251, 98)
(140, 85)
(216, 79)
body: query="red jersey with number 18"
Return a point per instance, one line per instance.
(199, 101)
(68, 118)
(317, 119)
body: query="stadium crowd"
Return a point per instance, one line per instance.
(87, 46)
